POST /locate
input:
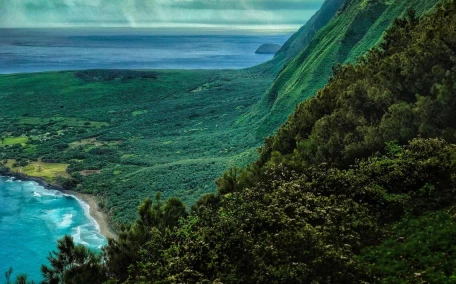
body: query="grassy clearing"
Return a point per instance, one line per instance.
(139, 112)
(13, 141)
(204, 87)
(47, 171)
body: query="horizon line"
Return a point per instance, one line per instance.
(266, 28)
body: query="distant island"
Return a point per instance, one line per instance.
(268, 48)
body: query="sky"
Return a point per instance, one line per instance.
(246, 14)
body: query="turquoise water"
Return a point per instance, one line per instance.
(33, 218)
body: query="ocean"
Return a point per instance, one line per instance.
(33, 218)
(37, 50)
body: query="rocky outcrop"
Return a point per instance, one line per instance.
(268, 48)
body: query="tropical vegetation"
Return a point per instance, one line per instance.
(357, 186)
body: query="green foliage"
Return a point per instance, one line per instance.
(316, 225)
(362, 165)
(298, 227)
(302, 38)
(20, 278)
(418, 250)
(154, 221)
(73, 264)
(126, 135)
(319, 194)
(356, 28)
(228, 182)
(109, 75)
(402, 90)
(319, 225)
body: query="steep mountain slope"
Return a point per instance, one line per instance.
(357, 27)
(301, 39)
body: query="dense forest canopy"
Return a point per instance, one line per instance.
(358, 186)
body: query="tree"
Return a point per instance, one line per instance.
(155, 220)
(228, 182)
(73, 264)
(20, 278)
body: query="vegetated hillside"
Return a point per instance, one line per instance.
(357, 187)
(344, 168)
(358, 26)
(124, 135)
(301, 39)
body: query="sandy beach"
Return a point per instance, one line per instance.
(100, 217)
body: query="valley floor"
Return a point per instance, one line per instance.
(125, 135)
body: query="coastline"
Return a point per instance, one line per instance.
(94, 209)
(100, 217)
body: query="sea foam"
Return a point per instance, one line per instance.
(67, 221)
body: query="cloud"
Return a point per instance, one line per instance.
(145, 13)
(246, 4)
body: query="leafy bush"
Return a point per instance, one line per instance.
(418, 250)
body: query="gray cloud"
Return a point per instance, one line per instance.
(145, 13)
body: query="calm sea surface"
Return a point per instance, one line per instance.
(24, 50)
(33, 218)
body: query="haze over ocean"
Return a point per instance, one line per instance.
(33, 218)
(37, 50)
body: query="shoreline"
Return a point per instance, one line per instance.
(100, 217)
